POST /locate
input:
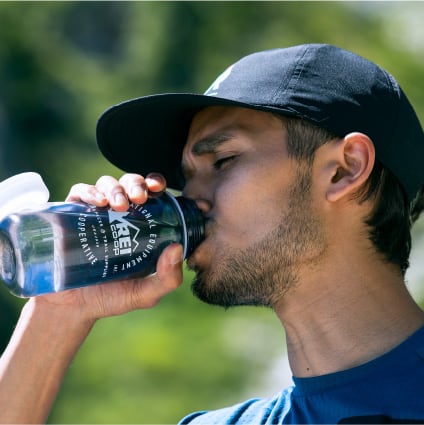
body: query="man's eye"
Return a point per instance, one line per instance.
(218, 164)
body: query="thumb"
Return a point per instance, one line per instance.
(168, 277)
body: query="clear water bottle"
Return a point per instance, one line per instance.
(53, 246)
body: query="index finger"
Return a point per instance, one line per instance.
(87, 193)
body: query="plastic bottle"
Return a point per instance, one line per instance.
(53, 246)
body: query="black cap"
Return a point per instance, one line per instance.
(331, 87)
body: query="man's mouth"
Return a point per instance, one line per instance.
(208, 231)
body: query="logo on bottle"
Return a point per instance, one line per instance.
(124, 233)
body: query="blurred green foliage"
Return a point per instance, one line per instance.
(61, 65)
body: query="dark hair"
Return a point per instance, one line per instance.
(392, 216)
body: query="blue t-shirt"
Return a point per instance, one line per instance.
(389, 389)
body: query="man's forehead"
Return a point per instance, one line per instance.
(216, 125)
(225, 119)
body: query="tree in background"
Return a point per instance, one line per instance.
(61, 65)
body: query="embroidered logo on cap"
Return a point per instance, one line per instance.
(213, 89)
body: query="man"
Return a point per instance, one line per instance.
(306, 163)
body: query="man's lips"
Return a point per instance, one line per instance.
(208, 231)
(208, 223)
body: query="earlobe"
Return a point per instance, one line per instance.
(355, 157)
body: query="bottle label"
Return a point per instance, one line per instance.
(100, 244)
(116, 238)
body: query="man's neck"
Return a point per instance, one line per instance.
(346, 318)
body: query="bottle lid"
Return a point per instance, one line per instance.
(22, 191)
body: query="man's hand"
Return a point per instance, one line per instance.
(119, 297)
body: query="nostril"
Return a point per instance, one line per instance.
(203, 205)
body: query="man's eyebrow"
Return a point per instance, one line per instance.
(209, 144)
(205, 145)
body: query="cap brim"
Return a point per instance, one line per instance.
(148, 133)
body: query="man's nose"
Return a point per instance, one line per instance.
(200, 193)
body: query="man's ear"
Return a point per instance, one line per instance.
(353, 160)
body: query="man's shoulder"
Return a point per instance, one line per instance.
(254, 410)
(397, 377)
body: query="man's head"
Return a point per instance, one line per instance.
(318, 95)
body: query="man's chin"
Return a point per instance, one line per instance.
(211, 292)
(200, 289)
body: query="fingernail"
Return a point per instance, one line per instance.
(177, 256)
(155, 176)
(153, 179)
(100, 197)
(120, 198)
(137, 191)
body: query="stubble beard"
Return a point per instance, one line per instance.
(261, 274)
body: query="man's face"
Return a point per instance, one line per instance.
(260, 227)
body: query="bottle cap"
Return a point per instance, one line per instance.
(22, 191)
